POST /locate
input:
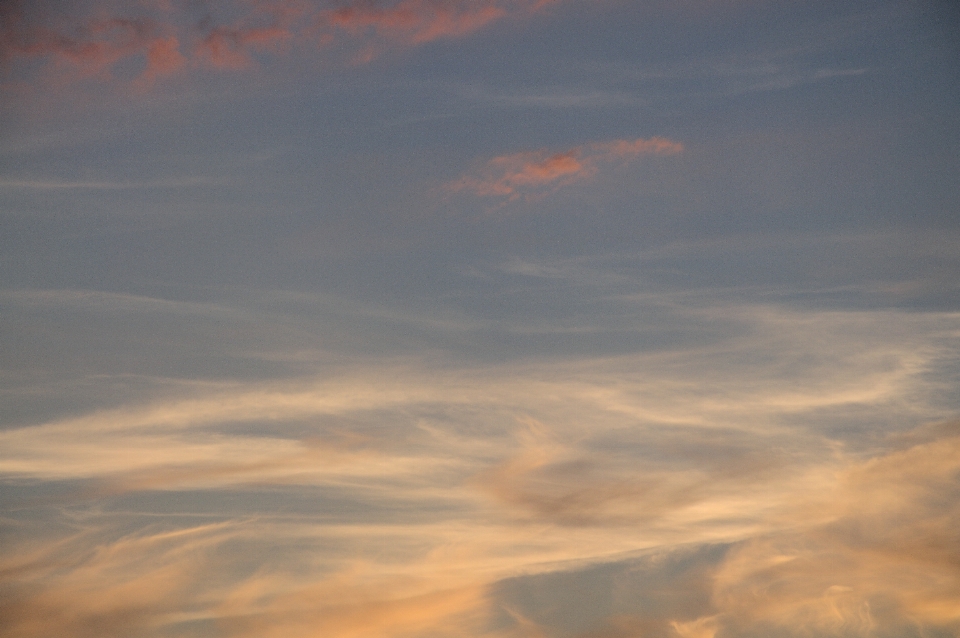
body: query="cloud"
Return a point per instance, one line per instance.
(559, 98)
(758, 371)
(532, 174)
(367, 29)
(88, 585)
(413, 21)
(90, 47)
(163, 58)
(54, 184)
(871, 552)
(163, 39)
(398, 497)
(345, 607)
(881, 560)
(229, 48)
(240, 577)
(551, 482)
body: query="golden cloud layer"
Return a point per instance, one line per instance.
(397, 500)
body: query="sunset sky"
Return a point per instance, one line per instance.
(479, 318)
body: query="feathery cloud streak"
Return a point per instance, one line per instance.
(861, 548)
(879, 559)
(532, 174)
(395, 499)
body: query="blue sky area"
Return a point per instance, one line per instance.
(484, 318)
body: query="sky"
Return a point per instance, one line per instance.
(479, 318)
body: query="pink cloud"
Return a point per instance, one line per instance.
(97, 46)
(532, 174)
(91, 48)
(268, 25)
(229, 48)
(163, 58)
(369, 28)
(630, 149)
(166, 39)
(413, 21)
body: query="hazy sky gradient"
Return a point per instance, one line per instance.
(487, 318)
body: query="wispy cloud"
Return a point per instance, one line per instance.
(867, 550)
(66, 184)
(557, 98)
(881, 561)
(860, 546)
(400, 497)
(140, 579)
(532, 174)
(555, 470)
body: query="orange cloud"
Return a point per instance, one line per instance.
(883, 557)
(345, 606)
(532, 174)
(526, 170)
(87, 586)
